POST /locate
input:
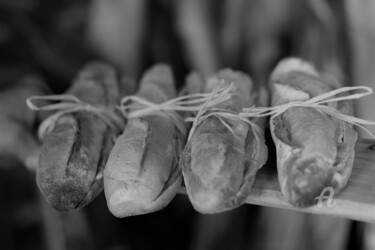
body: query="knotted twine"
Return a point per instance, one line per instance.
(319, 103)
(137, 107)
(221, 114)
(131, 107)
(68, 104)
(203, 103)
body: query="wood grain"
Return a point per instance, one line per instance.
(356, 201)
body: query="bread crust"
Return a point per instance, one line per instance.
(74, 153)
(219, 166)
(142, 174)
(314, 150)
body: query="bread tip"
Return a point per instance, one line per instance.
(291, 64)
(309, 179)
(210, 200)
(95, 68)
(123, 203)
(63, 197)
(206, 202)
(162, 75)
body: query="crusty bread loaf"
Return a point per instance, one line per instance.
(74, 153)
(314, 150)
(219, 166)
(142, 173)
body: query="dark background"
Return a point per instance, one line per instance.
(52, 40)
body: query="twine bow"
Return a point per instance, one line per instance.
(220, 114)
(70, 104)
(135, 106)
(319, 103)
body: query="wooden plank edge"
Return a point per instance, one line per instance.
(341, 208)
(266, 191)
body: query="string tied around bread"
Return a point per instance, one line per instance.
(319, 103)
(136, 107)
(68, 104)
(206, 111)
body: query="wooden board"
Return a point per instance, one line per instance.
(356, 201)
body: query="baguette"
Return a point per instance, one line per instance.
(74, 153)
(219, 166)
(142, 173)
(314, 150)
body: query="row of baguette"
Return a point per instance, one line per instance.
(141, 162)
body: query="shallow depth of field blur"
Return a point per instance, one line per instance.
(49, 41)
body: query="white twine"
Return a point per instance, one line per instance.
(221, 115)
(206, 110)
(319, 103)
(136, 107)
(203, 103)
(70, 104)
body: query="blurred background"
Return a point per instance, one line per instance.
(44, 43)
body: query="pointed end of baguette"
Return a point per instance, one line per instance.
(124, 200)
(292, 64)
(162, 75)
(207, 201)
(195, 83)
(129, 198)
(98, 71)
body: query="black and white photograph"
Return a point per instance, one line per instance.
(187, 125)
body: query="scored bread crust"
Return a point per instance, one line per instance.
(218, 166)
(74, 153)
(314, 150)
(142, 173)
